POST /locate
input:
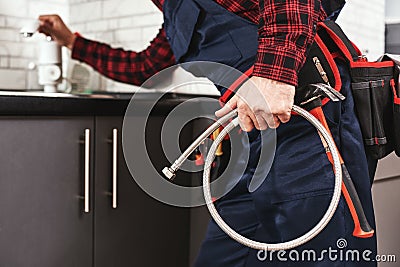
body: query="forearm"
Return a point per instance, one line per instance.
(122, 65)
(287, 29)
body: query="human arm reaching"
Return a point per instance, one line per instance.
(116, 63)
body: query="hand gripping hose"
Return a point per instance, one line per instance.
(170, 173)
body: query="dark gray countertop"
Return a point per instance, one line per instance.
(104, 104)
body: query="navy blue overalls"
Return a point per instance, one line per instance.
(297, 190)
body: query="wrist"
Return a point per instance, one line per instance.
(71, 41)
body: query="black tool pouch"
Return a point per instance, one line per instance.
(373, 91)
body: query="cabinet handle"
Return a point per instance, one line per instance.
(114, 168)
(87, 169)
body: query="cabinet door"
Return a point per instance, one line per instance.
(139, 231)
(42, 219)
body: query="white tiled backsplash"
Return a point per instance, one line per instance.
(131, 24)
(15, 52)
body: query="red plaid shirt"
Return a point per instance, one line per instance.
(286, 30)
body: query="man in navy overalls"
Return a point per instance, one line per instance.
(298, 188)
(295, 194)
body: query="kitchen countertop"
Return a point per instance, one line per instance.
(102, 104)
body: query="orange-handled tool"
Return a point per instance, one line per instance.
(362, 228)
(309, 97)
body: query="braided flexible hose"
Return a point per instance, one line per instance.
(284, 245)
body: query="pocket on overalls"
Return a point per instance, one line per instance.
(371, 88)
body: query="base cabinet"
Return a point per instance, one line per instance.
(136, 230)
(42, 218)
(43, 165)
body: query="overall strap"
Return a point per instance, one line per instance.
(336, 40)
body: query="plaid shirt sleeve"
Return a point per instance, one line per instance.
(286, 31)
(125, 66)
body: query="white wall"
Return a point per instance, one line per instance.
(130, 24)
(392, 11)
(364, 23)
(16, 52)
(123, 23)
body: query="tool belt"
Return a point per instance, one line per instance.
(375, 86)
